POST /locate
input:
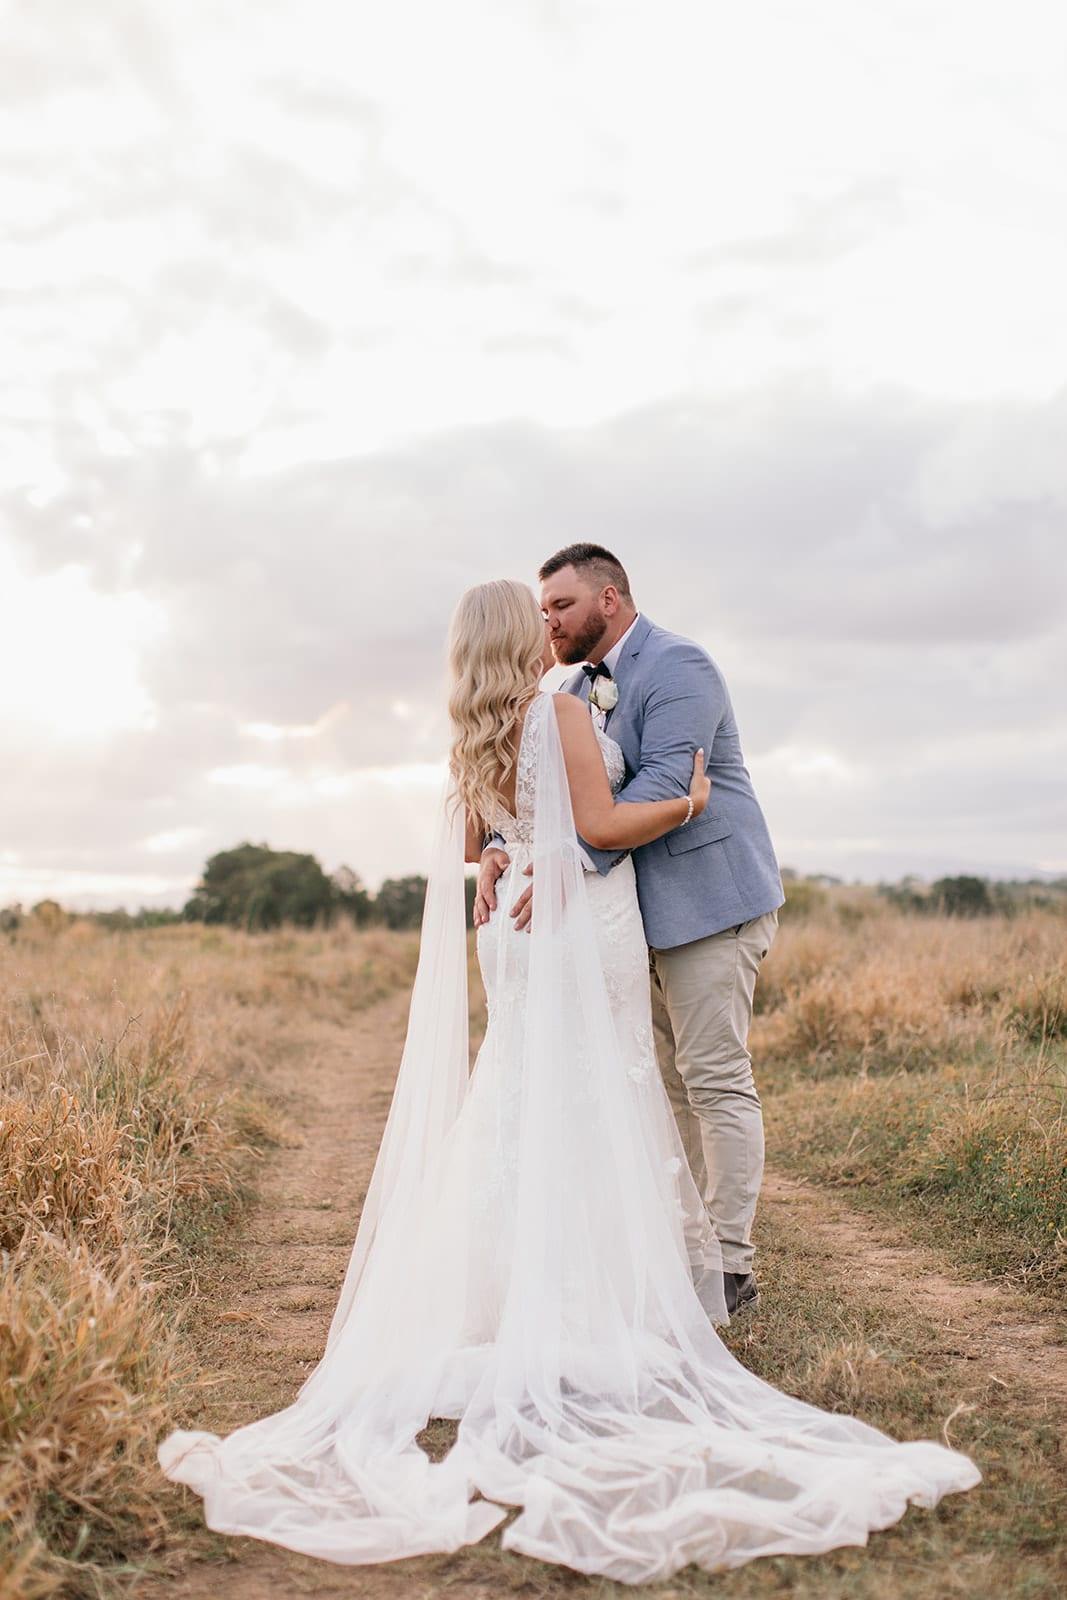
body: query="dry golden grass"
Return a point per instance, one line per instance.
(88, 1364)
(882, 989)
(918, 1061)
(134, 1084)
(61, 1168)
(922, 1062)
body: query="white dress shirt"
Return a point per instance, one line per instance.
(611, 660)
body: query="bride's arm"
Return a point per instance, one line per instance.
(599, 818)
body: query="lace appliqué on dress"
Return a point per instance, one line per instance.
(518, 831)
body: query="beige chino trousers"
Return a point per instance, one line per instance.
(702, 996)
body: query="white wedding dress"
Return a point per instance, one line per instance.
(534, 1260)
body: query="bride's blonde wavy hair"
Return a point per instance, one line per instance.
(495, 648)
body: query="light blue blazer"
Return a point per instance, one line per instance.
(720, 869)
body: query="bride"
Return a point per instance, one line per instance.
(533, 1258)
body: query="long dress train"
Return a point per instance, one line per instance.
(534, 1260)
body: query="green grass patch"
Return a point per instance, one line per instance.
(977, 1159)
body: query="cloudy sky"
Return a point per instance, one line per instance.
(313, 314)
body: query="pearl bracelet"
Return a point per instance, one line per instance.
(689, 813)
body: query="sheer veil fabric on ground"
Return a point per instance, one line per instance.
(532, 1260)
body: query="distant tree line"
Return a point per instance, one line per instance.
(960, 896)
(254, 887)
(968, 896)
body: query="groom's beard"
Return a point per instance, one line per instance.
(571, 651)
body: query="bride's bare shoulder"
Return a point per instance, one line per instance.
(569, 709)
(573, 720)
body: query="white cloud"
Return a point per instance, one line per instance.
(276, 733)
(172, 841)
(313, 316)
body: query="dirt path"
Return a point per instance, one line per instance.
(981, 1321)
(265, 1318)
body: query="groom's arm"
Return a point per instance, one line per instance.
(683, 708)
(475, 840)
(602, 861)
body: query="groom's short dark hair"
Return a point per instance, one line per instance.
(593, 559)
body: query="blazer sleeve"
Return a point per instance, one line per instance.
(602, 860)
(684, 705)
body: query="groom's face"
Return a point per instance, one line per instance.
(575, 615)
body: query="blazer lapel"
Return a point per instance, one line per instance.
(631, 650)
(641, 630)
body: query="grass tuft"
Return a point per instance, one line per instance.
(134, 1085)
(921, 1064)
(88, 1360)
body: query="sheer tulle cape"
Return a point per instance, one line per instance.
(525, 1263)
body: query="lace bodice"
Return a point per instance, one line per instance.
(517, 831)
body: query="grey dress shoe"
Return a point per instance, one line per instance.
(741, 1291)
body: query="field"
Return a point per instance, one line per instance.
(188, 1118)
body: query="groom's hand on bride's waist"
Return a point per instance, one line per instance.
(493, 863)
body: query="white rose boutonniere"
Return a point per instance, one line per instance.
(604, 694)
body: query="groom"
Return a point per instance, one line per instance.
(709, 891)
